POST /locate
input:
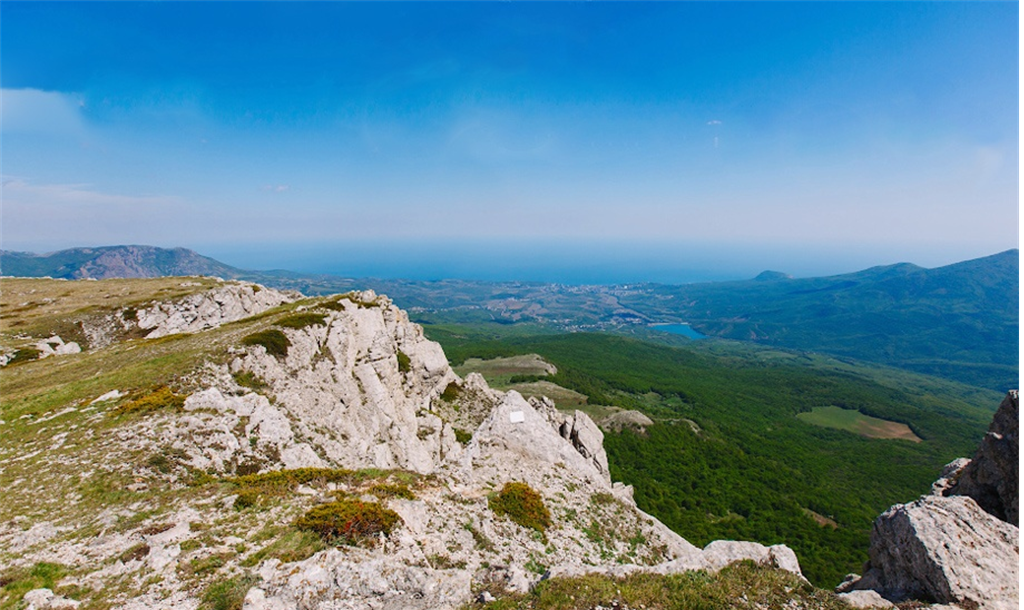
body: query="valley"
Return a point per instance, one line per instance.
(750, 467)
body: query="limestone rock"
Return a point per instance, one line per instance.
(865, 599)
(196, 312)
(991, 478)
(721, 553)
(633, 420)
(45, 599)
(946, 549)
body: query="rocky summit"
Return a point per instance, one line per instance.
(221, 444)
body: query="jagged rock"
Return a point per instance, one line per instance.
(991, 478)
(945, 549)
(55, 346)
(204, 310)
(343, 390)
(947, 479)
(578, 429)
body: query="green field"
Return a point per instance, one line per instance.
(858, 423)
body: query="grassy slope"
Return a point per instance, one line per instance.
(755, 469)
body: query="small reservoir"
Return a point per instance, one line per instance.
(679, 329)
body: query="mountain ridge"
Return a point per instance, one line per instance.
(958, 321)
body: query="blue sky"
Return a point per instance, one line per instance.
(286, 134)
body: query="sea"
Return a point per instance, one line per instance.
(569, 262)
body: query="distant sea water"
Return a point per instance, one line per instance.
(551, 261)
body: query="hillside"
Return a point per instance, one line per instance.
(195, 443)
(959, 321)
(750, 467)
(113, 262)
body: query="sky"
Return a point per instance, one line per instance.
(589, 141)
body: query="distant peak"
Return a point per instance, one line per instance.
(766, 276)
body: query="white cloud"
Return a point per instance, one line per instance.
(40, 112)
(274, 188)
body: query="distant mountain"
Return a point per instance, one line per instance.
(959, 321)
(114, 262)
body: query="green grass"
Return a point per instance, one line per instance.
(404, 364)
(299, 321)
(228, 594)
(741, 585)
(19, 581)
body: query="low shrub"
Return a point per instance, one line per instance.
(290, 479)
(272, 340)
(462, 436)
(520, 503)
(23, 355)
(162, 397)
(248, 379)
(348, 521)
(451, 392)
(390, 490)
(302, 320)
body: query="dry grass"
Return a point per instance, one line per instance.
(31, 305)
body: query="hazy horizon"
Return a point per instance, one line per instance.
(572, 263)
(672, 139)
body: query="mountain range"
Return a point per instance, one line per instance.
(959, 321)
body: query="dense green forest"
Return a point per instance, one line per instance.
(753, 470)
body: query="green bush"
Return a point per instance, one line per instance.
(451, 392)
(520, 503)
(348, 521)
(404, 364)
(273, 340)
(302, 320)
(161, 397)
(462, 436)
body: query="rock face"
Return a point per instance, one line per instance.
(205, 310)
(945, 549)
(948, 547)
(991, 478)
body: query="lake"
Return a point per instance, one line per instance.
(679, 329)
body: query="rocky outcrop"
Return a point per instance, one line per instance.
(991, 478)
(197, 312)
(949, 547)
(358, 387)
(944, 549)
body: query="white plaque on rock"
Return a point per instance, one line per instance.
(516, 417)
